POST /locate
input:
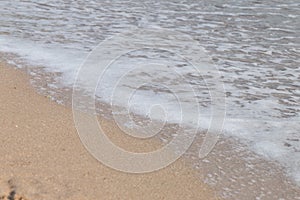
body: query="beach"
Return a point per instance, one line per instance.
(42, 156)
(217, 82)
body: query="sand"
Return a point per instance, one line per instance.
(42, 157)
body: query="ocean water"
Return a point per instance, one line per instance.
(255, 45)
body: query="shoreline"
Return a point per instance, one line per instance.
(230, 171)
(43, 158)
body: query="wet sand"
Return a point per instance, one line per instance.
(42, 157)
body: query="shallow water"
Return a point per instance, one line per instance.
(255, 44)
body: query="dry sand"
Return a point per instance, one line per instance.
(42, 157)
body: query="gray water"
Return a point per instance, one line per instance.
(255, 44)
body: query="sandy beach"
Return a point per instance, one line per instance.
(42, 156)
(162, 74)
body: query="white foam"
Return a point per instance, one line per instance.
(54, 58)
